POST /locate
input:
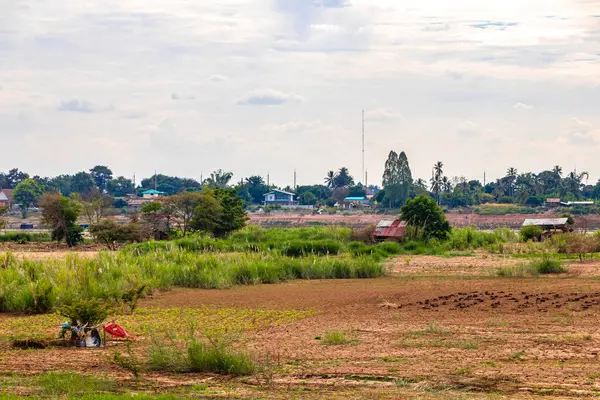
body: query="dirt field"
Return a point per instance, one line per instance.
(439, 328)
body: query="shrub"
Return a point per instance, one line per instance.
(334, 338)
(530, 232)
(18, 237)
(91, 312)
(423, 213)
(364, 235)
(549, 267)
(320, 247)
(59, 384)
(128, 362)
(215, 355)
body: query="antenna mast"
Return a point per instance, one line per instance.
(363, 146)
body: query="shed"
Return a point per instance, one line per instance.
(549, 225)
(390, 230)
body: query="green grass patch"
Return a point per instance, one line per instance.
(59, 384)
(334, 338)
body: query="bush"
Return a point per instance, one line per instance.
(549, 267)
(334, 338)
(299, 248)
(530, 232)
(18, 237)
(215, 355)
(364, 235)
(423, 213)
(90, 312)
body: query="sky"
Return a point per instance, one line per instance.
(262, 87)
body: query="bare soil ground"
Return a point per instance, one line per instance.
(439, 328)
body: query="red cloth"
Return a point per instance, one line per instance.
(117, 330)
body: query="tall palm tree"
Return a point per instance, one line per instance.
(511, 177)
(557, 170)
(218, 179)
(343, 178)
(330, 179)
(446, 184)
(438, 170)
(421, 184)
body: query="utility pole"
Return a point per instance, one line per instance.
(363, 146)
(268, 180)
(134, 186)
(294, 180)
(366, 179)
(155, 184)
(484, 177)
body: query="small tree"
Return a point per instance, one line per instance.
(184, 206)
(423, 214)
(94, 206)
(27, 194)
(207, 214)
(234, 216)
(111, 233)
(61, 214)
(581, 244)
(530, 232)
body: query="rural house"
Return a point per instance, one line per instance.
(350, 203)
(550, 226)
(6, 198)
(152, 194)
(279, 197)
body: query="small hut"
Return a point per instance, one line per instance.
(550, 226)
(390, 230)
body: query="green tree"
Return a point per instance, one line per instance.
(234, 216)
(397, 179)
(256, 188)
(436, 180)
(330, 179)
(218, 179)
(207, 214)
(61, 214)
(120, 187)
(343, 178)
(14, 177)
(185, 205)
(95, 205)
(83, 183)
(308, 198)
(27, 194)
(423, 214)
(101, 175)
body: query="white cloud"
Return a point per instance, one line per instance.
(268, 97)
(82, 106)
(523, 107)
(469, 128)
(383, 114)
(582, 133)
(293, 126)
(218, 78)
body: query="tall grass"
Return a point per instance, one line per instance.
(41, 286)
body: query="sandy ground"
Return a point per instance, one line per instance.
(416, 334)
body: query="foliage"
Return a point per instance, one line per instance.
(397, 180)
(91, 312)
(61, 214)
(334, 338)
(218, 179)
(422, 212)
(207, 214)
(3, 212)
(581, 244)
(110, 233)
(534, 268)
(213, 354)
(170, 184)
(27, 194)
(233, 216)
(530, 232)
(129, 361)
(24, 237)
(101, 176)
(94, 205)
(57, 384)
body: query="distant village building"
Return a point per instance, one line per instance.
(6, 198)
(554, 202)
(351, 203)
(576, 203)
(152, 194)
(279, 197)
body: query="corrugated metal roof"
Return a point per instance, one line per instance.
(385, 223)
(546, 222)
(355, 199)
(390, 229)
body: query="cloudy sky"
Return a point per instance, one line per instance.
(266, 86)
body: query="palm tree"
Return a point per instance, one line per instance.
(343, 178)
(218, 179)
(557, 170)
(511, 175)
(438, 170)
(446, 184)
(421, 184)
(330, 179)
